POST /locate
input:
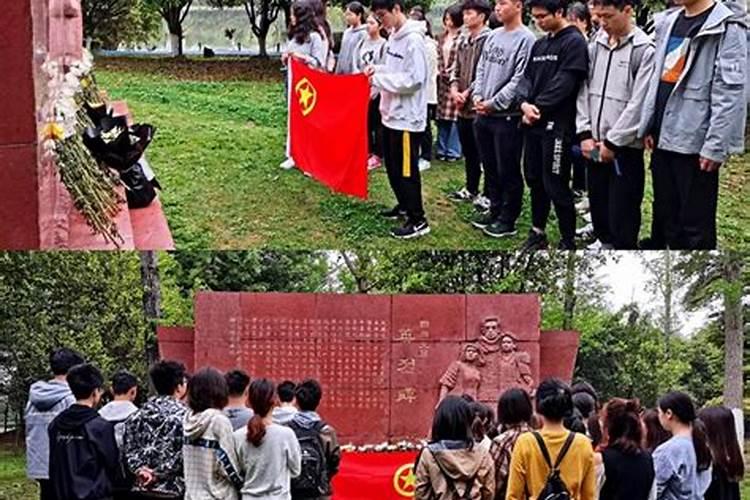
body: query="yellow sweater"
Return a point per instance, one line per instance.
(528, 470)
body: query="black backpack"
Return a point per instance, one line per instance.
(313, 480)
(554, 487)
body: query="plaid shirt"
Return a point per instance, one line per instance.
(446, 108)
(501, 450)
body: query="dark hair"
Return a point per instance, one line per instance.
(84, 379)
(166, 376)
(722, 439)
(618, 4)
(552, 6)
(285, 391)
(419, 14)
(575, 422)
(585, 387)
(308, 394)
(237, 382)
(452, 420)
(388, 5)
(655, 433)
(514, 407)
(683, 409)
(319, 9)
(262, 392)
(483, 422)
(122, 382)
(305, 21)
(622, 424)
(494, 22)
(553, 400)
(63, 359)
(455, 13)
(594, 430)
(357, 8)
(207, 389)
(585, 403)
(479, 6)
(580, 11)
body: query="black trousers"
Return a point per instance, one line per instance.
(375, 128)
(402, 165)
(547, 169)
(500, 144)
(615, 196)
(46, 492)
(425, 146)
(579, 172)
(685, 200)
(472, 161)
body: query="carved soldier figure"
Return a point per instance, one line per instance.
(463, 376)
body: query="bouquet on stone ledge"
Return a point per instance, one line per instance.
(91, 187)
(113, 143)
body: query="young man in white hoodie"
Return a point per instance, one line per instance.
(402, 80)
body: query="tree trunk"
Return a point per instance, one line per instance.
(569, 303)
(668, 298)
(151, 300)
(262, 50)
(733, 338)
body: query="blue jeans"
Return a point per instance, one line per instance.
(448, 144)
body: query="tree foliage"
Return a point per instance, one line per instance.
(109, 23)
(174, 13)
(261, 14)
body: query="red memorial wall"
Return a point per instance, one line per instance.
(382, 359)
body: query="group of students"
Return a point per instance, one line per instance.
(565, 443)
(502, 97)
(202, 436)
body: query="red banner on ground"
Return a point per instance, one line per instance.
(375, 476)
(328, 127)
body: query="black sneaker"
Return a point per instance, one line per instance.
(500, 229)
(482, 220)
(535, 241)
(411, 230)
(566, 245)
(393, 213)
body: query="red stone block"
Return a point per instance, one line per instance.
(355, 365)
(421, 365)
(429, 317)
(177, 343)
(558, 352)
(278, 316)
(217, 331)
(353, 317)
(411, 412)
(519, 314)
(18, 197)
(358, 415)
(150, 227)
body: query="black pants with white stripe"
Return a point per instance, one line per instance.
(547, 168)
(401, 155)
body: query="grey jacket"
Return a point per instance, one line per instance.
(47, 399)
(706, 112)
(402, 79)
(611, 98)
(349, 43)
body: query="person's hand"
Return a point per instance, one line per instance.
(369, 70)
(606, 155)
(482, 107)
(145, 476)
(587, 146)
(458, 97)
(530, 113)
(284, 58)
(708, 165)
(648, 141)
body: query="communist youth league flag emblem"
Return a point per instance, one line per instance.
(307, 96)
(404, 481)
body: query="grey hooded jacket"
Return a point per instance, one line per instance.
(47, 399)
(610, 100)
(349, 43)
(706, 111)
(402, 79)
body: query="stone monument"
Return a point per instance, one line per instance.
(384, 361)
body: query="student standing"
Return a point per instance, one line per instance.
(558, 66)
(728, 464)
(431, 50)
(356, 31)
(117, 411)
(402, 80)
(448, 144)
(236, 410)
(514, 412)
(287, 409)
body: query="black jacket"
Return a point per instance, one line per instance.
(557, 67)
(83, 455)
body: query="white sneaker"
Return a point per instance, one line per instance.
(424, 164)
(583, 206)
(586, 231)
(287, 164)
(586, 217)
(598, 245)
(482, 202)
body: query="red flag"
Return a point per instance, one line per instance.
(328, 127)
(375, 476)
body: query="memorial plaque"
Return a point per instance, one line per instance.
(383, 360)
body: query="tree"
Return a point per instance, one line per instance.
(108, 23)
(174, 13)
(661, 281)
(261, 15)
(151, 300)
(720, 280)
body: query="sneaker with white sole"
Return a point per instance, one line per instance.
(461, 195)
(287, 164)
(583, 206)
(411, 230)
(598, 245)
(500, 229)
(482, 202)
(373, 162)
(424, 164)
(586, 232)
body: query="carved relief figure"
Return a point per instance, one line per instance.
(65, 30)
(463, 376)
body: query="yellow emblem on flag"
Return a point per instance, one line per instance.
(307, 96)
(404, 481)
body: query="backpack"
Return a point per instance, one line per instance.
(554, 487)
(313, 479)
(452, 484)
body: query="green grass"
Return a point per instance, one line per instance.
(217, 149)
